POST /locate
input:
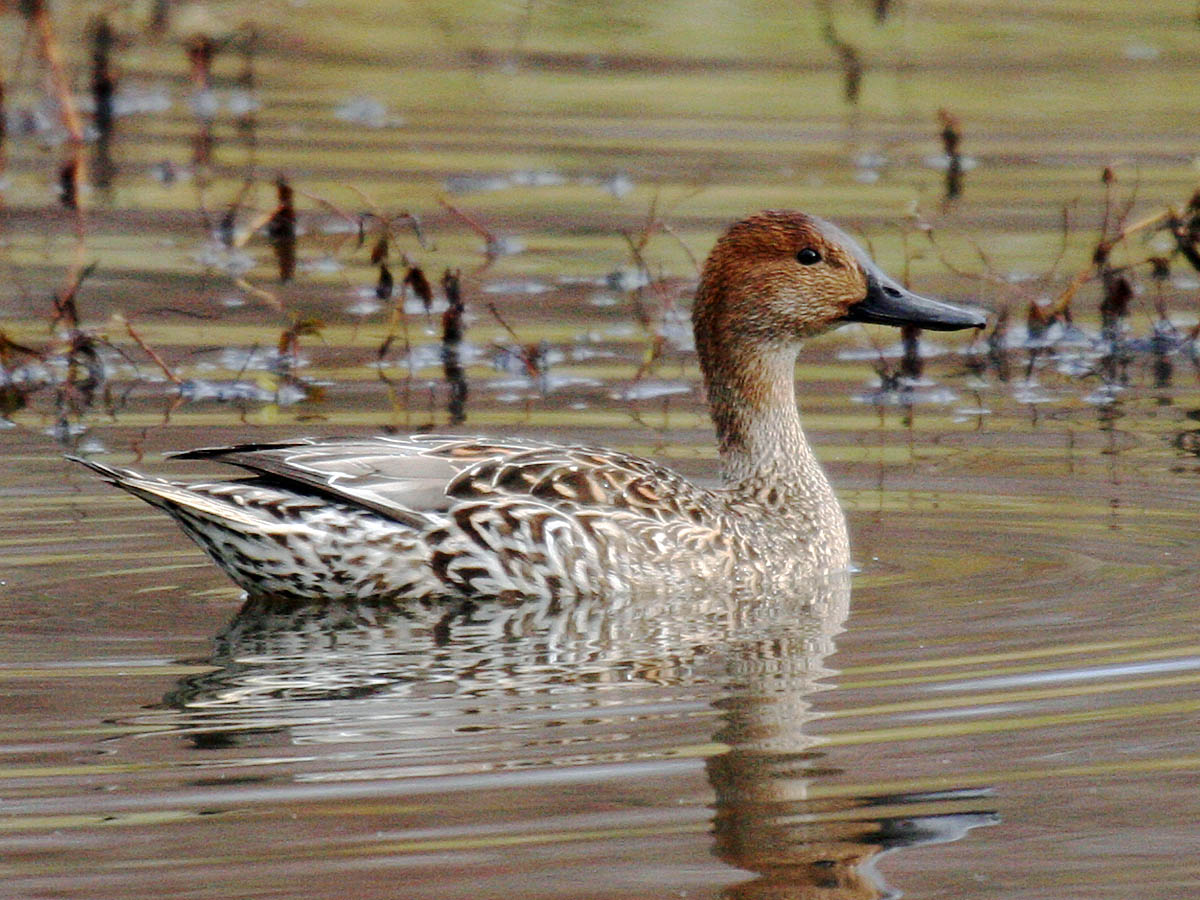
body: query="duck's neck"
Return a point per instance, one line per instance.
(764, 453)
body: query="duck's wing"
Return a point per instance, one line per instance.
(398, 476)
(585, 479)
(575, 522)
(393, 476)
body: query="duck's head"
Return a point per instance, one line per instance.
(780, 276)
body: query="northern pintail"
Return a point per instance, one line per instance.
(434, 519)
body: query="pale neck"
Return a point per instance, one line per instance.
(752, 394)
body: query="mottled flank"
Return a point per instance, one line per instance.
(436, 520)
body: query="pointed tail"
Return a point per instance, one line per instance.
(181, 501)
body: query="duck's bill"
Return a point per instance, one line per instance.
(887, 303)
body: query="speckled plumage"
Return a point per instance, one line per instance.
(433, 519)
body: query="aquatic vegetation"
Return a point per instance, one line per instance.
(286, 257)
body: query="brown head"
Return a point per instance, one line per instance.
(781, 276)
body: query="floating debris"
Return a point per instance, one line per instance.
(529, 178)
(336, 225)
(620, 331)
(526, 286)
(1141, 51)
(133, 100)
(676, 329)
(30, 375)
(943, 163)
(1057, 334)
(368, 111)
(322, 265)
(427, 356)
(968, 413)
(243, 103)
(204, 104)
(195, 390)
(254, 359)
(869, 159)
(1105, 395)
(530, 386)
(586, 351)
(537, 178)
(1031, 392)
(168, 173)
(415, 306)
(902, 392)
(1076, 365)
(627, 279)
(231, 261)
(619, 185)
(41, 121)
(365, 307)
(535, 358)
(91, 446)
(470, 184)
(64, 431)
(652, 389)
(898, 350)
(502, 245)
(494, 244)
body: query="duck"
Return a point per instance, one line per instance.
(432, 520)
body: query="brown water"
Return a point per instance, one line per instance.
(1002, 703)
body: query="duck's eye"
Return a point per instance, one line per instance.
(808, 256)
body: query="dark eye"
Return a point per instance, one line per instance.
(808, 256)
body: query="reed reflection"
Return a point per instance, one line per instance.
(784, 810)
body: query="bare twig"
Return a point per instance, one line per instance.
(1063, 301)
(530, 362)
(39, 16)
(150, 351)
(258, 292)
(847, 53)
(667, 229)
(474, 224)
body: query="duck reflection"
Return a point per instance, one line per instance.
(291, 673)
(773, 816)
(776, 813)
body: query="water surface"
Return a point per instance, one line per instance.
(1000, 703)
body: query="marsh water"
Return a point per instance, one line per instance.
(999, 702)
